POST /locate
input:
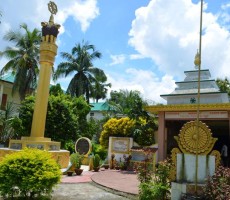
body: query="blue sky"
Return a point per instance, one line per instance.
(146, 45)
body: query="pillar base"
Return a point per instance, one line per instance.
(180, 189)
(35, 142)
(61, 156)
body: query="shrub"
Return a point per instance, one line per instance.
(76, 160)
(218, 186)
(98, 149)
(31, 172)
(157, 186)
(96, 161)
(70, 146)
(116, 127)
(152, 191)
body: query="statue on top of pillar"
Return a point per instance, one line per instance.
(50, 30)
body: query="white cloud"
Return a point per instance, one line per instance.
(117, 59)
(168, 33)
(136, 56)
(82, 11)
(34, 12)
(150, 86)
(224, 16)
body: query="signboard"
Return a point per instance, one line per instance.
(83, 146)
(193, 115)
(120, 145)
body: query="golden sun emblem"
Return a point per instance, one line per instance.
(195, 137)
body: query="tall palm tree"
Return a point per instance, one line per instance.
(98, 88)
(23, 59)
(80, 62)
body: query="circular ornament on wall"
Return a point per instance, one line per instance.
(83, 146)
(195, 137)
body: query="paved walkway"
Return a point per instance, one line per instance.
(83, 191)
(124, 183)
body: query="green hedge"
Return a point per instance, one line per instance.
(28, 173)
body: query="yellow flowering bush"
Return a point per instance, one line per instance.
(122, 127)
(28, 173)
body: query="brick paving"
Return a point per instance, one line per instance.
(85, 177)
(120, 181)
(123, 181)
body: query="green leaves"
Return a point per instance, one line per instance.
(23, 59)
(79, 63)
(32, 171)
(65, 120)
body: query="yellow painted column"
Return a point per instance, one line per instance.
(48, 52)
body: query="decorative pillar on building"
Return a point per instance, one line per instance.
(161, 136)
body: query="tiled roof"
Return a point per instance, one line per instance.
(102, 106)
(9, 77)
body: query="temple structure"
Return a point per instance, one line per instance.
(182, 107)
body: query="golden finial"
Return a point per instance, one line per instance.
(197, 61)
(52, 7)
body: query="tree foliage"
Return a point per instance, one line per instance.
(6, 131)
(65, 119)
(31, 172)
(56, 90)
(124, 101)
(99, 88)
(23, 59)
(80, 62)
(224, 85)
(122, 127)
(130, 103)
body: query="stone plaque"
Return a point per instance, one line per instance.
(16, 146)
(54, 147)
(38, 146)
(83, 146)
(120, 145)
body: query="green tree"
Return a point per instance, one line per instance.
(224, 85)
(80, 62)
(131, 104)
(23, 59)
(123, 101)
(64, 116)
(99, 88)
(56, 90)
(6, 131)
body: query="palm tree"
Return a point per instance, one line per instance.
(23, 59)
(80, 63)
(98, 88)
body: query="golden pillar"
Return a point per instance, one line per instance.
(48, 51)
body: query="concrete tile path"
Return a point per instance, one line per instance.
(114, 182)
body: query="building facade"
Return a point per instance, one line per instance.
(182, 106)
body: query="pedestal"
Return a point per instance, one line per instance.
(186, 168)
(61, 156)
(178, 189)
